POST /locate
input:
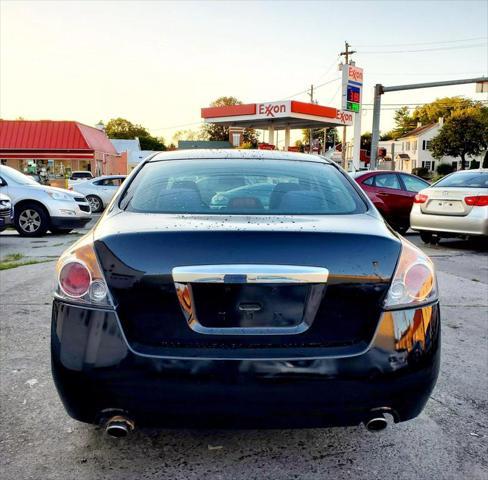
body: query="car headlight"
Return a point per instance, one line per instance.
(414, 282)
(5, 204)
(59, 196)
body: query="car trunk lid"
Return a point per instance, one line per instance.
(448, 201)
(206, 285)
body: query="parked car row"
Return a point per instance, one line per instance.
(34, 208)
(392, 193)
(39, 208)
(453, 206)
(99, 191)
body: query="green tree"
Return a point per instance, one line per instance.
(428, 113)
(386, 136)
(366, 141)
(216, 132)
(404, 122)
(464, 133)
(122, 128)
(188, 135)
(441, 108)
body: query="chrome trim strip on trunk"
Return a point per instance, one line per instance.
(249, 274)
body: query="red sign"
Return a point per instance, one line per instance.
(355, 74)
(344, 117)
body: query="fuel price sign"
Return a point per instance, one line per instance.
(352, 82)
(353, 98)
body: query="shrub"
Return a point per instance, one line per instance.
(444, 169)
(474, 164)
(421, 172)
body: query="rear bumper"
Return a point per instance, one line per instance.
(6, 218)
(96, 372)
(69, 222)
(475, 223)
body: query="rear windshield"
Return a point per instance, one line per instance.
(281, 187)
(81, 175)
(468, 179)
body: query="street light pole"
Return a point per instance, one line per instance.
(380, 89)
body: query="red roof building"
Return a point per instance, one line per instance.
(59, 147)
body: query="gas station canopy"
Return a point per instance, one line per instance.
(287, 114)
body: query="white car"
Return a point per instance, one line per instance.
(38, 208)
(6, 212)
(79, 176)
(457, 205)
(99, 191)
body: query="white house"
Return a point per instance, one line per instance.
(412, 150)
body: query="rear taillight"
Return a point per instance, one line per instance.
(420, 198)
(414, 282)
(477, 201)
(79, 277)
(74, 279)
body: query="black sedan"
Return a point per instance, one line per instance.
(304, 310)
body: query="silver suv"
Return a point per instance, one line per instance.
(38, 208)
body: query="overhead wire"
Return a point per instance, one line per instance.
(382, 52)
(437, 42)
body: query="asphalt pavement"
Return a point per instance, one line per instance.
(38, 440)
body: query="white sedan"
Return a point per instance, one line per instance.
(99, 191)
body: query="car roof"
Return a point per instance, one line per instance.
(201, 154)
(473, 170)
(103, 177)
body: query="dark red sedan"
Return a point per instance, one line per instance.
(392, 194)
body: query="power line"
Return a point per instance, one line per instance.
(424, 43)
(425, 49)
(334, 63)
(417, 104)
(315, 87)
(424, 73)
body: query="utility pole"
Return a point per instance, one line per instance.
(346, 54)
(310, 130)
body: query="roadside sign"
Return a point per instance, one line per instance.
(352, 84)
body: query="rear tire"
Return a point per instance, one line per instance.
(426, 237)
(31, 220)
(95, 202)
(402, 229)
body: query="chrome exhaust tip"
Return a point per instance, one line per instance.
(119, 426)
(376, 422)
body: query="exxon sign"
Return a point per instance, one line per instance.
(355, 74)
(274, 109)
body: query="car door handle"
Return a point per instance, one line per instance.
(236, 273)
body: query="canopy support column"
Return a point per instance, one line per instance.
(287, 138)
(271, 135)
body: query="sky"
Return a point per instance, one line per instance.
(158, 62)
